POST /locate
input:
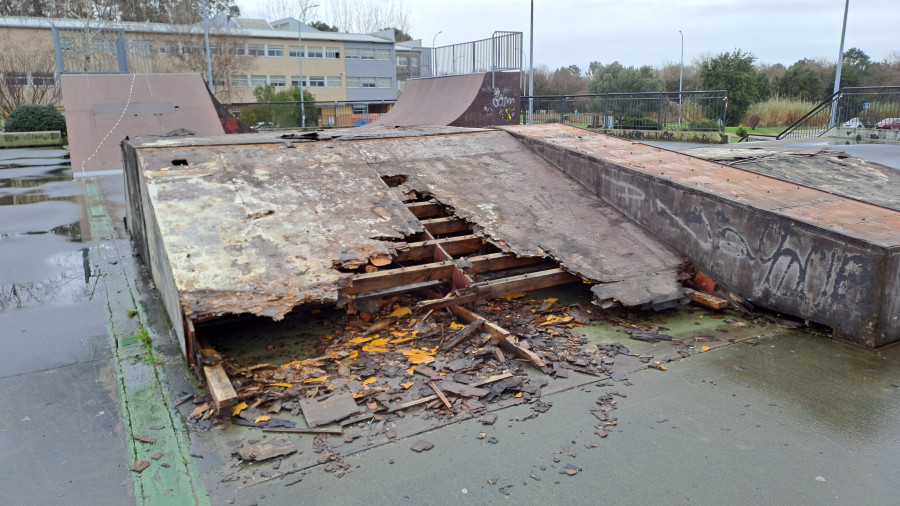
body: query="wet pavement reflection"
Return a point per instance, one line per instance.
(43, 231)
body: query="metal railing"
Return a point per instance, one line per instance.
(689, 110)
(320, 114)
(858, 108)
(501, 52)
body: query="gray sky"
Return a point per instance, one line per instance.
(645, 32)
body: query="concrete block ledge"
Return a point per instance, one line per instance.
(30, 139)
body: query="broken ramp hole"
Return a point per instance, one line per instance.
(395, 181)
(179, 162)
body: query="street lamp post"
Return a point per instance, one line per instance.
(300, 60)
(840, 63)
(434, 55)
(206, 42)
(531, 69)
(680, 78)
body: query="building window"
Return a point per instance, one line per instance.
(351, 54)
(401, 85)
(333, 82)
(402, 61)
(295, 81)
(316, 81)
(294, 51)
(383, 82)
(239, 50)
(213, 49)
(314, 52)
(239, 81)
(332, 52)
(14, 80)
(139, 47)
(275, 50)
(384, 54)
(191, 49)
(277, 81)
(256, 49)
(43, 79)
(353, 82)
(368, 82)
(67, 43)
(360, 109)
(413, 61)
(258, 81)
(366, 54)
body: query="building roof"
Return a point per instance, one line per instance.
(135, 27)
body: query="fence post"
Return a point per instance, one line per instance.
(122, 53)
(57, 50)
(659, 116)
(562, 108)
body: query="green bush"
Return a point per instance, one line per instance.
(703, 124)
(638, 124)
(35, 118)
(741, 131)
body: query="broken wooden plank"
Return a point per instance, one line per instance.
(440, 394)
(505, 286)
(220, 388)
(500, 336)
(425, 400)
(498, 262)
(291, 430)
(461, 389)
(440, 226)
(268, 449)
(462, 334)
(710, 301)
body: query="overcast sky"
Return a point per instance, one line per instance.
(645, 32)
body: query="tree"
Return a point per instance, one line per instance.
(368, 16)
(614, 78)
(801, 81)
(288, 115)
(542, 75)
(161, 11)
(735, 73)
(670, 72)
(323, 26)
(26, 76)
(854, 70)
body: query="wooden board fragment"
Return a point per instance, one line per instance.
(268, 449)
(440, 394)
(220, 388)
(430, 398)
(334, 408)
(710, 301)
(500, 336)
(505, 286)
(462, 334)
(462, 389)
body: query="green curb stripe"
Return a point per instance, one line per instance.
(171, 480)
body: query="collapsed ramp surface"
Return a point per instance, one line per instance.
(788, 247)
(103, 109)
(471, 100)
(260, 225)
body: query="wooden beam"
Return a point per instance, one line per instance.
(462, 334)
(440, 226)
(424, 250)
(425, 209)
(440, 394)
(498, 262)
(372, 281)
(500, 336)
(710, 301)
(505, 286)
(223, 394)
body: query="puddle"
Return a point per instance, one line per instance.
(71, 279)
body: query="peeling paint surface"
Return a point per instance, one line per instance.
(257, 226)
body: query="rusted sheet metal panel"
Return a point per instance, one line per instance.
(788, 247)
(257, 228)
(472, 100)
(156, 105)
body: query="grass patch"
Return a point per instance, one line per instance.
(779, 112)
(147, 342)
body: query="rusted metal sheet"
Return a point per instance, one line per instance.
(785, 246)
(153, 104)
(472, 100)
(259, 227)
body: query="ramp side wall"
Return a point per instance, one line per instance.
(773, 261)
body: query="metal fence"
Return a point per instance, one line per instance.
(876, 107)
(503, 51)
(689, 110)
(287, 115)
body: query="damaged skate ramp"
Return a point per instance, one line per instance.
(261, 225)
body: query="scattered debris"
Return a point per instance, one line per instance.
(268, 449)
(140, 465)
(421, 445)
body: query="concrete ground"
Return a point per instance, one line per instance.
(87, 361)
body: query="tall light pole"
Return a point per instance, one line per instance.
(680, 78)
(531, 69)
(434, 54)
(840, 63)
(300, 60)
(206, 40)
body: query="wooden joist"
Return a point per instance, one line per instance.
(223, 394)
(424, 250)
(505, 286)
(440, 226)
(425, 209)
